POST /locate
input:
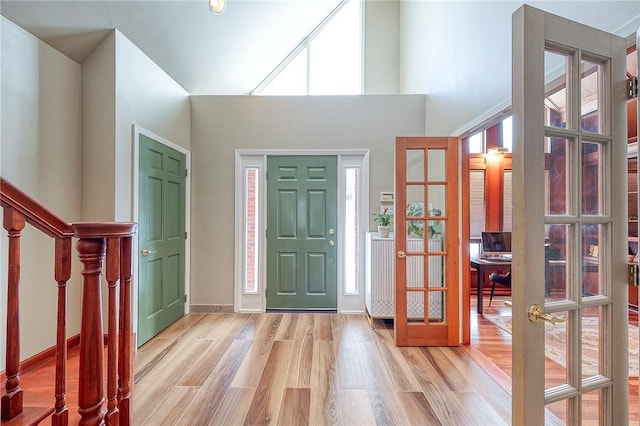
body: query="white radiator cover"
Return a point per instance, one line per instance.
(380, 276)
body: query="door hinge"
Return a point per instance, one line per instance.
(185, 235)
(185, 298)
(186, 172)
(632, 87)
(633, 274)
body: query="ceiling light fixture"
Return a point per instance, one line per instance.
(217, 6)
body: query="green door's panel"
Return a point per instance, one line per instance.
(154, 202)
(153, 297)
(287, 219)
(154, 159)
(173, 209)
(287, 173)
(302, 207)
(316, 217)
(286, 273)
(173, 166)
(316, 273)
(172, 293)
(161, 232)
(317, 173)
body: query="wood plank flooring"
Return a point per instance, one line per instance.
(299, 369)
(308, 369)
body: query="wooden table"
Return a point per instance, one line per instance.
(484, 265)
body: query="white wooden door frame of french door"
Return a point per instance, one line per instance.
(245, 159)
(137, 131)
(535, 32)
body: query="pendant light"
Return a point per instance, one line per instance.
(217, 6)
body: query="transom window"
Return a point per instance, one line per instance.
(327, 62)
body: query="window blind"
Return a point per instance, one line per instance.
(476, 203)
(507, 202)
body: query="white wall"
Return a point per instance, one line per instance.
(222, 124)
(145, 95)
(98, 132)
(40, 154)
(122, 87)
(464, 65)
(381, 37)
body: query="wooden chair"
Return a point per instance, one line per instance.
(501, 279)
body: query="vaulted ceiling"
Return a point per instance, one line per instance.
(231, 53)
(205, 53)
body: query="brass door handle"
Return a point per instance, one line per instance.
(536, 314)
(146, 252)
(402, 254)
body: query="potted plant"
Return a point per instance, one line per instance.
(383, 220)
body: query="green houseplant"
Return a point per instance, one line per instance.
(383, 220)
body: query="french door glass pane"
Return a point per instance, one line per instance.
(590, 87)
(591, 338)
(556, 66)
(437, 197)
(591, 178)
(415, 165)
(593, 253)
(558, 243)
(556, 352)
(557, 162)
(437, 165)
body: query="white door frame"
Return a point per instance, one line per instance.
(137, 131)
(256, 302)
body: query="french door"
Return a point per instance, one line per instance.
(427, 290)
(569, 222)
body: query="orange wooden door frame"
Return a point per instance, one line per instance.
(424, 329)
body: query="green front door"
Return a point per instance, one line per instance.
(302, 232)
(161, 256)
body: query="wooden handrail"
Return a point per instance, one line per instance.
(97, 241)
(34, 213)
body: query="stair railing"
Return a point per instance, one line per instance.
(97, 242)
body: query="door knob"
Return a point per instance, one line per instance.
(332, 243)
(401, 254)
(536, 314)
(146, 252)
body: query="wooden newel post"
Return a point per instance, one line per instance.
(91, 249)
(90, 383)
(12, 399)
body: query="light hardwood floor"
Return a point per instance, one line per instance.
(298, 369)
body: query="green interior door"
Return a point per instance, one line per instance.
(161, 231)
(302, 232)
